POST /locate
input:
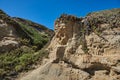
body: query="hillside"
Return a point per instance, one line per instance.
(21, 28)
(83, 49)
(37, 26)
(20, 44)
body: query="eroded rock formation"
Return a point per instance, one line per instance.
(81, 51)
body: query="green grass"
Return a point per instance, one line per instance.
(36, 38)
(19, 60)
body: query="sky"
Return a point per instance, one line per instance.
(45, 12)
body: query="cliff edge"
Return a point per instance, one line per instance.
(83, 49)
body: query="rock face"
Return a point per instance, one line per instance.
(83, 49)
(8, 37)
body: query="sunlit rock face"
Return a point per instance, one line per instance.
(81, 51)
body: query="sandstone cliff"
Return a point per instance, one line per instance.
(83, 49)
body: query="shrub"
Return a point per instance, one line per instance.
(18, 68)
(24, 41)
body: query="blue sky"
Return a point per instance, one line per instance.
(46, 11)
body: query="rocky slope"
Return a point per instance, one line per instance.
(13, 30)
(20, 44)
(83, 49)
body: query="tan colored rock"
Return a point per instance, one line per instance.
(79, 55)
(56, 72)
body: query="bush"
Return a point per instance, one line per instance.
(18, 68)
(24, 41)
